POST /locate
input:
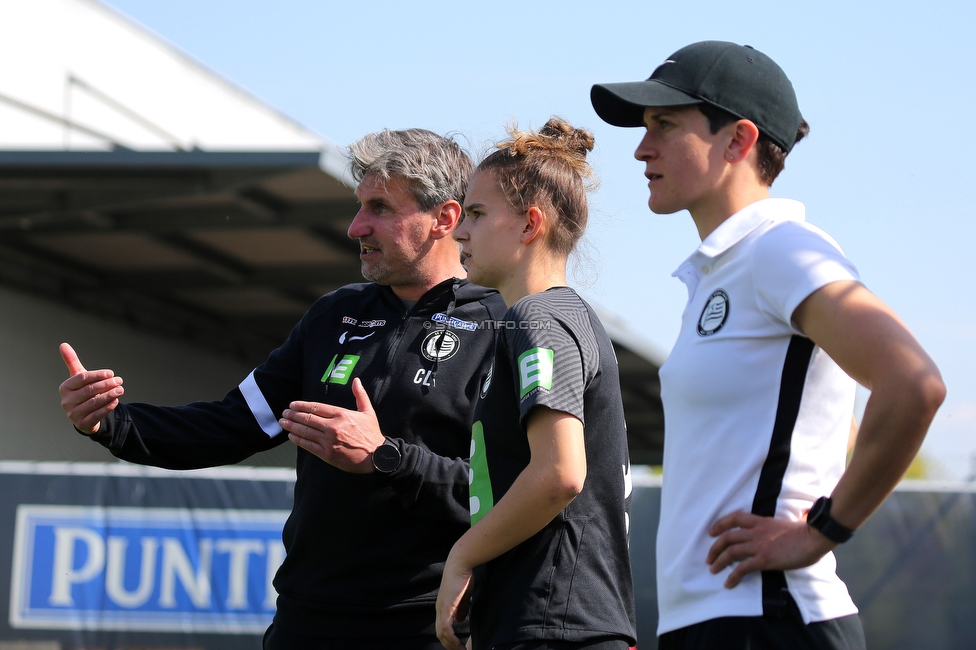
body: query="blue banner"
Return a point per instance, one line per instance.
(120, 556)
(152, 569)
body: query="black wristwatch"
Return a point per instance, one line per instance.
(819, 517)
(386, 457)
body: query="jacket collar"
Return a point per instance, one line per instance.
(434, 298)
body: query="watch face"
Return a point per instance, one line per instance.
(386, 458)
(817, 512)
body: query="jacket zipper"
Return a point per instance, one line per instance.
(401, 330)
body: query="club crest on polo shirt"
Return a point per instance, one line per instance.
(715, 313)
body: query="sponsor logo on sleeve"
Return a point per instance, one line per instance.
(715, 313)
(145, 569)
(535, 370)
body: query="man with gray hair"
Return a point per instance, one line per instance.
(370, 526)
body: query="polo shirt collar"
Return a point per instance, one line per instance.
(732, 231)
(735, 228)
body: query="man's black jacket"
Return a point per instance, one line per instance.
(364, 552)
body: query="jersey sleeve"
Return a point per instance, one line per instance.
(790, 262)
(551, 354)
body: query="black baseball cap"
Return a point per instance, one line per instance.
(736, 78)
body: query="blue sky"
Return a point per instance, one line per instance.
(888, 88)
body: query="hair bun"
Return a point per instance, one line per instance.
(557, 139)
(564, 134)
(547, 168)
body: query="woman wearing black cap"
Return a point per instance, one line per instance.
(758, 391)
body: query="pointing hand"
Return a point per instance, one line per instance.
(87, 396)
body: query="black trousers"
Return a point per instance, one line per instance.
(785, 631)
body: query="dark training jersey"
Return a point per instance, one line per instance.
(570, 581)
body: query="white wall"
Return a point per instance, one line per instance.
(156, 370)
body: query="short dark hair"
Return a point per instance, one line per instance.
(772, 158)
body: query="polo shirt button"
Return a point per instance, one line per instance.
(705, 270)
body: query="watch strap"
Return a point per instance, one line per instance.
(829, 527)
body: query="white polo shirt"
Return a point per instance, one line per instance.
(756, 417)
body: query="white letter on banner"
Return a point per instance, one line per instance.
(65, 574)
(239, 550)
(115, 572)
(276, 555)
(176, 562)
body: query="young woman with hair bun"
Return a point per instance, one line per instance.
(545, 565)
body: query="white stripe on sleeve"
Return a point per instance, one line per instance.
(259, 406)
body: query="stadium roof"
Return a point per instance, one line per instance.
(226, 249)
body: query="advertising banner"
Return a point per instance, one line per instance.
(158, 569)
(117, 556)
